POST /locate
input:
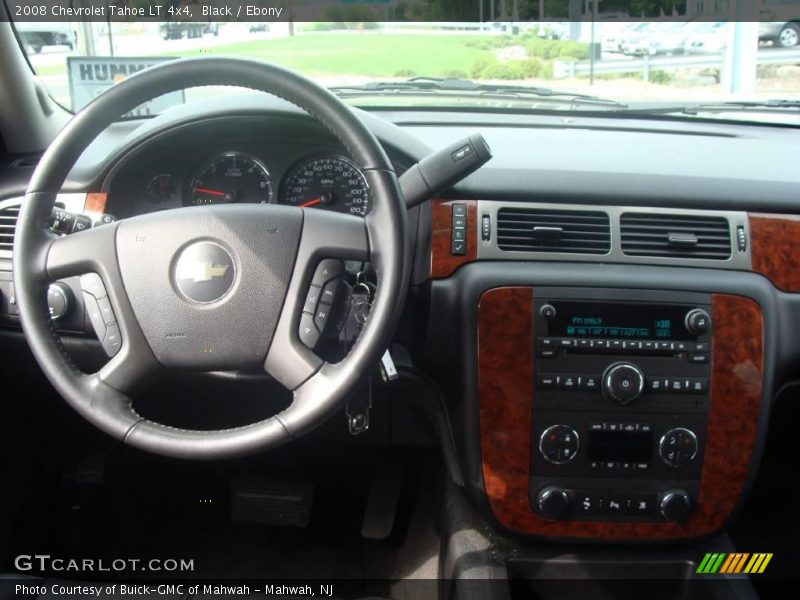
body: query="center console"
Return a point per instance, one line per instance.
(620, 400)
(617, 414)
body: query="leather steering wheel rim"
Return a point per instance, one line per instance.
(319, 388)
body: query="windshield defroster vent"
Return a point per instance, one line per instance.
(675, 236)
(8, 222)
(545, 230)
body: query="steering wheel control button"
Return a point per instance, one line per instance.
(559, 444)
(92, 284)
(678, 447)
(458, 233)
(106, 311)
(309, 334)
(623, 382)
(204, 272)
(329, 292)
(59, 300)
(312, 299)
(328, 269)
(112, 341)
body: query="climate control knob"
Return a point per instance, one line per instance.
(697, 321)
(553, 502)
(623, 382)
(678, 447)
(675, 505)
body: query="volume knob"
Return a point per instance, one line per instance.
(697, 321)
(623, 382)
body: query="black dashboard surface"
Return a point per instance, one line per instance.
(576, 158)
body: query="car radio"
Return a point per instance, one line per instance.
(621, 391)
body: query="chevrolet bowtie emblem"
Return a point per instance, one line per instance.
(204, 272)
(201, 271)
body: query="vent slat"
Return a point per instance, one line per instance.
(8, 223)
(644, 234)
(584, 232)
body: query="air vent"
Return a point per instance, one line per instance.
(8, 221)
(544, 230)
(675, 236)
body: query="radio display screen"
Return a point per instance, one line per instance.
(618, 321)
(620, 446)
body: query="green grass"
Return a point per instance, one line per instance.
(371, 55)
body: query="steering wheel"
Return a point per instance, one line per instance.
(260, 259)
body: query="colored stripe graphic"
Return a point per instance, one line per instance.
(723, 562)
(758, 563)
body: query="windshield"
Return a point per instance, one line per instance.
(677, 63)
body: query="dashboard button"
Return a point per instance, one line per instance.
(585, 503)
(458, 248)
(698, 357)
(548, 353)
(547, 382)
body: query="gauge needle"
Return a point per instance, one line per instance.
(208, 191)
(311, 202)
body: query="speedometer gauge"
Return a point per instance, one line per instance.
(231, 177)
(329, 182)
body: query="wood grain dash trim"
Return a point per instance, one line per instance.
(775, 249)
(505, 387)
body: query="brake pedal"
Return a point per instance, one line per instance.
(271, 501)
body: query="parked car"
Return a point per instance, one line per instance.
(707, 38)
(175, 30)
(657, 38)
(35, 36)
(780, 33)
(612, 34)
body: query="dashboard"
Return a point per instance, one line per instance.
(568, 417)
(238, 160)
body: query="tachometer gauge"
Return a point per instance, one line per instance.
(231, 177)
(329, 182)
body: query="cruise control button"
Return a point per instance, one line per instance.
(309, 334)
